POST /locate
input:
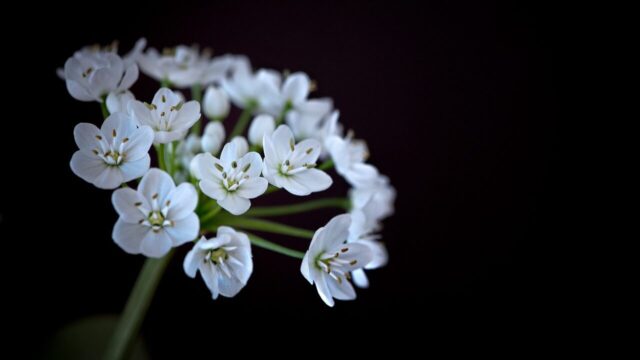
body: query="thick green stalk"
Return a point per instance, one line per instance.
(243, 120)
(264, 211)
(210, 214)
(262, 225)
(160, 155)
(288, 106)
(165, 83)
(103, 107)
(139, 300)
(328, 164)
(196, 94)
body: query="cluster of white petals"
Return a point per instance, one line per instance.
(284, 139)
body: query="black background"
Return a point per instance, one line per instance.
(456, 104)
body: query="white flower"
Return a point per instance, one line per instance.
(156, 217)
(349, 158)
(182, 66)
(376, 200)
(222, 67)
(293, 96)
(260, 126)
(92, 74)
(116, 153)
(291, 166)
(247, 89)
(213, 137)
(215, 103)
(134, 54)
(119, 101)
(307, 127)
(232, 180)
(361, 231)
(187, 149)
(224, 262)
(169, 118)
(330, 260)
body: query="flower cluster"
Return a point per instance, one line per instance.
(205, 180)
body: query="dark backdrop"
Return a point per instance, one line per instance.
(455, 102)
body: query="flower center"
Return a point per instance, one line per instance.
(156, 217)
(334, 266)
(233, 178)
(111, 152)
(218, 255)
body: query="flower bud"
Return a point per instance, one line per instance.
(213, 137)
(215, 103)
(261, 125)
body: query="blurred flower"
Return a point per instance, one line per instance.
(232, 180)
(215, 103)
(361, 231)
(330, 260)
(167, 115)
(242, 146)
(213, 137)
(224, 262)
(349, 157)
(376, 200)
(156, 217)
(119, 101)
(246, 89)
(114, 154)
(292, 166)
(293, 96)
(260, 126)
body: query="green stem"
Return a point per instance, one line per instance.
(243, 120)
(103, 106)
(139, 300)
(210, 214)
(172, 158)
(341, 203)
(160, 155)
(263, 225)
(265, 244)
(196, 94)
(328, 164)
(271, 189)
(165, 83)
(288, 106)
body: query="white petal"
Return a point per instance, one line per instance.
(87, 167)
(193, 260)
(79, 92)
(252, 188)
(156, 181)
(358, 254)
(320, 280)
(335, 233)
(103, 81)
(341, 290)
(129, 236)
(292, 185)
(282, 138)
(229, 287)
(213, 189)
(229, 154)
(134, 169)
(235, 204)
(260, 126)
(207, 169)
(188, 115)
(296, 87)
(314, 179)
(184, 200)
(85, 136)
(254, 161)
(130, 76)
(141, 113)
(210, 277)
(360, 278)
(184, 230)
(110, 178)
(156, 244)
(125, 200)
(305, 268)
(379, 253)
(315, 107)
(139, 143)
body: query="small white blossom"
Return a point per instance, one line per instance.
(167, 115)
(293, 97)
(362, 231)
(182, 66)
(232, 180)
(224, 262)
(221, 67)
(349, 157)
(376, 200)
(116, 153)
(321, 129)
(119, 101)
(330, 259)
(157, 216)
(213, 137)
(292, 166)
(92, 74)
(260, 126)
(248, 89)
(215, 103)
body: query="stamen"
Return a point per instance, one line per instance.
(219, 167)
(95, 151)
(344, 249)
(98, 137)
(292, 144)
(309, 150)
(164, 99)
(138, 203)
(113, 133)
(246, 168)
(125, 140)
(154, 196)
(353, 262)
(234, 164)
